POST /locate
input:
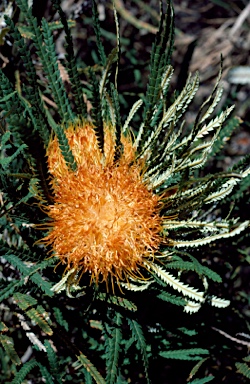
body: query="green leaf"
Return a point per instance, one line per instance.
(3, 327)
(87, 377)
(96, 111)
(49, 59)
(160, 56)
(84, 361)
(8, 344)
(30, 273)
(139, 339)
(114, 350)
(185, 354)
(53, 361)
(10, 288)
(224, 135)
(59, 318)
(23, 372)
(71, 63)
(6, 160)
(26, 31)
(112, 58)
(202, 381)
(243, 368)
(118, 123)
(120, 301)
(97, 28)
(171, 298)
(7, 97)
(39, 318)
(24, 301)
(46, 374)
(44, 285)
(197, 367)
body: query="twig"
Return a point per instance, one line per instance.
(131, 19)
(240, 20)
(247, 343)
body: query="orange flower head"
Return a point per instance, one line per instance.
(105, 220)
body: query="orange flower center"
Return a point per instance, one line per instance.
(105, 220)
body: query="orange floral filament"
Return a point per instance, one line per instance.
(105, 220)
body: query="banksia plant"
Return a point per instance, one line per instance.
(95, 207)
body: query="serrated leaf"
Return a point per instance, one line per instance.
(53, 361)
(209, 239)
(185, 289)
(215, 123)
(112, 57)
(3, 327)
(171, 298)
(131, 114)
(136, 288)
(39, 319)
(138, 336)
(125, 303)
(46, 374)
(243, 368)
(185, 354)
(24, 301)
(44, 285)
(59, 318)
(8, 344)
(219, 303)
(114, 350)
(192, 307)
(196, 368)
(23, 372)
(202, 381)
(84, 361)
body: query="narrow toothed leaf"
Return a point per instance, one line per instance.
(175, 283)
(131, 114)
(219, 303)
(209, 239)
